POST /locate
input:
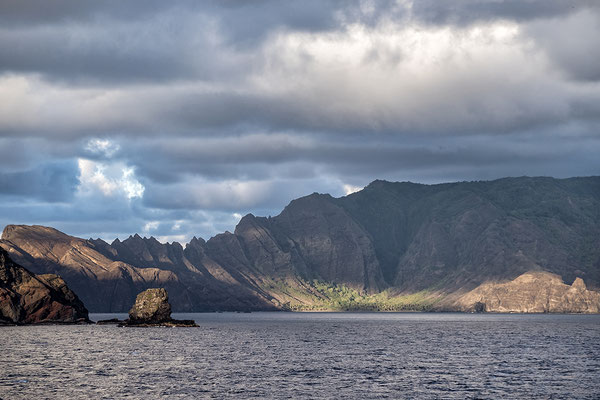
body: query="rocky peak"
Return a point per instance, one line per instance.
(579, 284)
(197, 242)
(248, 221)
(34, 233)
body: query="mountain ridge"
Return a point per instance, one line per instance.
(391, 240)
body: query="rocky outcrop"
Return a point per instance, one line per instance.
(532, 292)
(152, 308)
(28, 299)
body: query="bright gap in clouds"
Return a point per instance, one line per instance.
(108, 179)
(349, 189)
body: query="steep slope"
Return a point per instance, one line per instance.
(110, 284)
(26, 298)
(457, 236)
(333, 247)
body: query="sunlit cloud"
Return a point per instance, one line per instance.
(108, 179)
(349, 189)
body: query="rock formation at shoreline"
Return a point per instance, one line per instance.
(532, 292)
(151, 309)
(391, 246)
(26, 298)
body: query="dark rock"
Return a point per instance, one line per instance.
(112, 321)
(479, 307)
(29, 299)
(152, 308)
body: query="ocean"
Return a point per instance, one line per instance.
(309, 356)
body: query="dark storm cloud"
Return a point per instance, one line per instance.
(193, 156)
(566, 44)
(174, 119)
(77, 41)
(470, 11)
(50, 182)
(157, 41)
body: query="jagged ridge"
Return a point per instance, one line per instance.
(388, 241)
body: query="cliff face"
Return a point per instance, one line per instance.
(396, 238)
(532, 292)
(26, 298)
(106, 283)
(459, 235)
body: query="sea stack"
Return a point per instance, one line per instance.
(152, 308)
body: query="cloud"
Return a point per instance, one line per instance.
(199, 194)
(108, 180)
(174, 119)
(51, 182)
(390, 79)
(571, 56)
(349, 189)
(103, 147)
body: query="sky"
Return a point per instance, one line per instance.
(174, 119)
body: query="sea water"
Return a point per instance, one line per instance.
(308, 355)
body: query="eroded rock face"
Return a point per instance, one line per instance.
(532, 292)
(102, 275)
(151, 306)
(28, 299)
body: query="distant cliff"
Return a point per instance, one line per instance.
(26, 298)
(390, 246)
(532, 292)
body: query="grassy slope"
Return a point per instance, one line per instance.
(316, 295)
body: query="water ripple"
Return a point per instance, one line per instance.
(317, 356)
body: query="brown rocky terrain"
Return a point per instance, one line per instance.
(532, 292)
(151, 309)
(369, 249)
(111, 285)
(26, 298)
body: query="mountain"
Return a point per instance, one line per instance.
(390, 246)
(26, 298)
(459, 235)
(106, 283)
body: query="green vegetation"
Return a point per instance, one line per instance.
(331, 297)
